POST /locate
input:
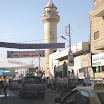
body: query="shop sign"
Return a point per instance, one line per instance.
(77, 63)
(98, 59)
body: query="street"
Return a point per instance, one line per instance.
(13, 98)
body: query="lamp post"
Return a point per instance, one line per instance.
(39, 64)
(70, 54)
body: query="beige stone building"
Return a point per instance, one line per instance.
(96, 37)
(50, 19)
(96, 23)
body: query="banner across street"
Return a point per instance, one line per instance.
(25, 54)
(32, 46)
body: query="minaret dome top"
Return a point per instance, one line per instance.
(50, 5)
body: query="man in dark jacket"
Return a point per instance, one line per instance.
(1, 86)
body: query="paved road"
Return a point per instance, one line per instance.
(13, 98)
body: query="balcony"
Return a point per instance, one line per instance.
(99, 45)
(99, 12)
(50, 17)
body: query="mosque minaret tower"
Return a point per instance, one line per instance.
(50, 19)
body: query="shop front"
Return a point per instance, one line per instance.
(82, 66)
(98, 65)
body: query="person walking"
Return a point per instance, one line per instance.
(55, 83)
(65, 84)
(1, 84)
(5, 86)
(61, 86)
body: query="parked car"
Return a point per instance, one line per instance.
(14, 84)
(32, 85)
(83, 95)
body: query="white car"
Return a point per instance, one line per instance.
(83, 95)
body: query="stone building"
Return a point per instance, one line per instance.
(96, 23)
(96, 37)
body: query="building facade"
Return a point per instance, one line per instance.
(96, 23)
(82, 62)
(96, 37)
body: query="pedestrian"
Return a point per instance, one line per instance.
(65, 84)
(86, 81)
(61, 86)
(5, 86)
(10, 83)
(0, 86)
(48, 82)
(55, 83)
(73, 75)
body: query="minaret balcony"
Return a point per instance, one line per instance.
(46, 18)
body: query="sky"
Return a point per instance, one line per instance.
(20, 22)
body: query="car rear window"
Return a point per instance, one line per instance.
(15, 81)
(32, 80)
(101, 97)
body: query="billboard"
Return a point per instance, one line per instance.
(98, 60)
(70, 58)
(25, 54)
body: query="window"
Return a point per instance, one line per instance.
(71, 96)
(32, 80)
(83, 97)
(54, 51)
(101, 97)
(103, 17)
(96, 35)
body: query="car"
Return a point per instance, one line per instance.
(84, 95)
(32, 85)
(14, 84)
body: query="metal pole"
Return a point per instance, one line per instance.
(39, 64)
(68, 34)
(69, 39)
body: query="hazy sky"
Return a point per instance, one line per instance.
(20, 21)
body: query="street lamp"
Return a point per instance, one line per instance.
(64, 38)
(70, 54)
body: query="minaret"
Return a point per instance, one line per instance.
(50, 19)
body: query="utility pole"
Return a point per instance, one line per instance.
(67, 30)
(39, 64)
(70, 54)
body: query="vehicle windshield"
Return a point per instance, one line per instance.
(101, 97)
(15, 81)
(32, 80)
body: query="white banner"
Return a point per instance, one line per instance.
(17, 62)
(98, 59)
(24, 54)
